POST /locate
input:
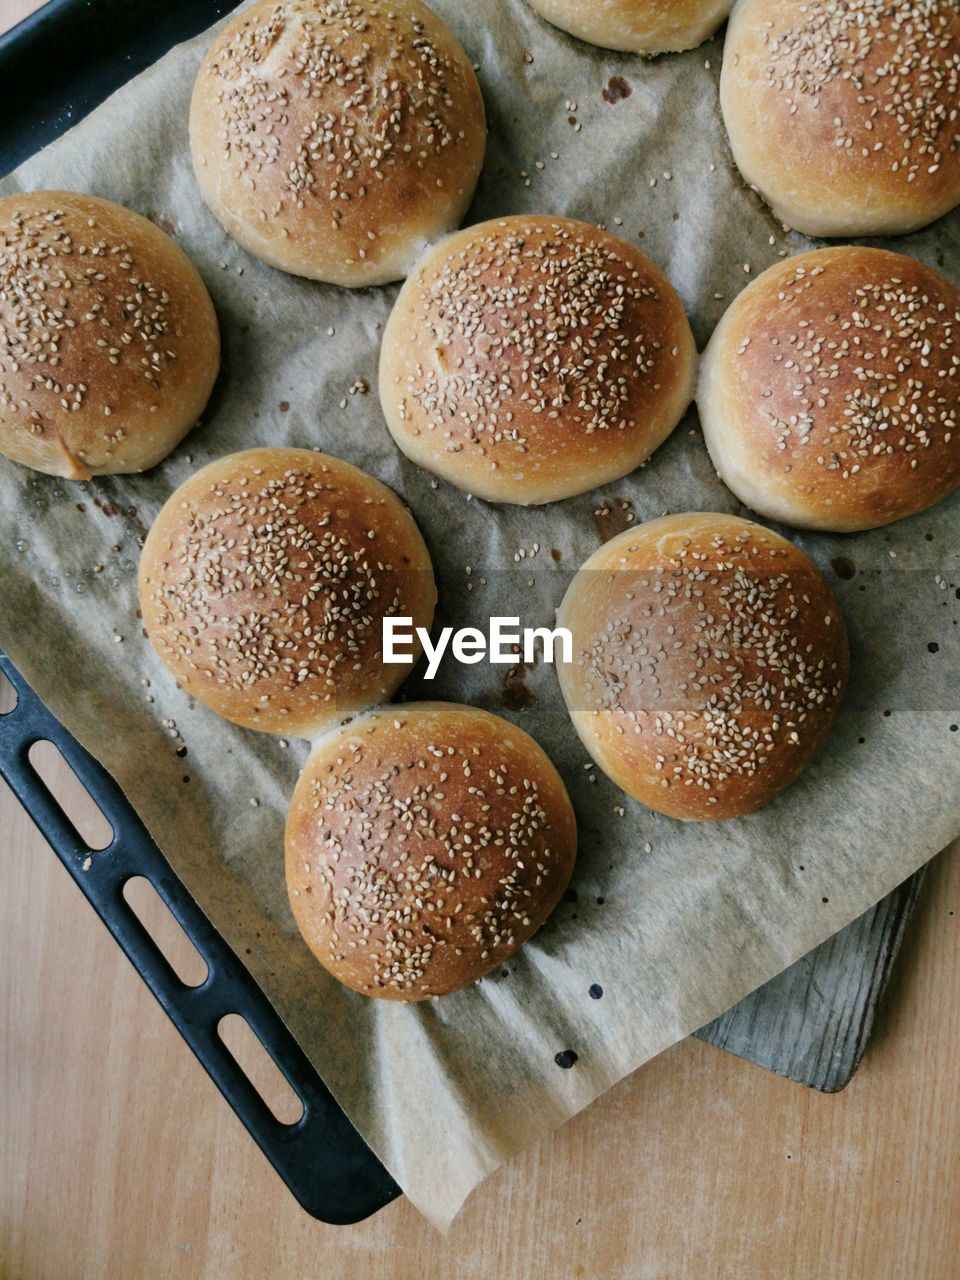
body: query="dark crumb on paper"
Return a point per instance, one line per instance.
(801, 867)
(81, 506)
(887, 713)
(617, 90)
(601, 901)
(557, 555)
(515, 694)
(843, 568)
(933, 647)
(284, 406)
(565, 1059)
(595, 991)
(824, 900)
(613, 519)
(953, 728)
(181, 751)
(861, 741)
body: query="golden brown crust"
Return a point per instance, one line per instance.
(425, 844)
(335, 138)
(843, 113)
(531, 358)
(709, 662)
(637, 26)
(264, 582)
(109, 345)
(830, 392)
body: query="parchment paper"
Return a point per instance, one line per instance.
(675, 922)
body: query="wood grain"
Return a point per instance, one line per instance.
(119, 1160)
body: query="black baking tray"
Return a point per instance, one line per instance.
(810, 1024)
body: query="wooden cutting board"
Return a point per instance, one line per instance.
(812, 1023)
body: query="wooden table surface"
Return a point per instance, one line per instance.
(119, 1159)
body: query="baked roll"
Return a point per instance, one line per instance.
(264, 582)
(336, 139)
(829, 394)
(843, 113)
(531, 358)
(709, 660)
(425, 843)
(109, 346)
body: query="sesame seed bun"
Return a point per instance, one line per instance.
(829, 393)
(425, 844)
(843, 113)
(109, 345)
(264, 582)
(336, 138)
(637, 26)
(709, 660)
(531, 358)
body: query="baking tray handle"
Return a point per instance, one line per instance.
(322, 1159)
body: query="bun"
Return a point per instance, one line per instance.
(829, 392)
(264, 582)
(425, 844)
(637, 26)
(709, 660)
(843, 113)
(109, 345)
(532, 358)
(336, 138)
